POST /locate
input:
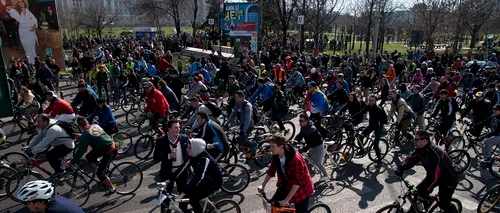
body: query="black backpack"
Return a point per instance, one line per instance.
(70, 127)
(216, 111)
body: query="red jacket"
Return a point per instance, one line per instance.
(296, 173)
(441, 87)
(162, 64)
(58, 107)
(157, 103)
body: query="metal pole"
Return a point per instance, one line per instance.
(259, 32)
(375, 32)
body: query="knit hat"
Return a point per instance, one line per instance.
(197, 146)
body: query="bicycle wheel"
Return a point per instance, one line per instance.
(116, 102)
(18, 180)
(123, 142)
(15, 160)
(224, 206)
(392, 208)
(319, 208)
(13, 131)
(144, 147)
(490, 201)
(289, 132)
(87, 170)
(456, 203)
(494, 168)
(455, 143)
(5, 174)
(263, 156)
(132, 117)
(125, 106)
(460, 159)
(347, 151)
(384, 149)
(74, 188)
(69, 81)
(126, 177)
(235, 179)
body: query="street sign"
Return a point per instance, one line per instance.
(300, 19)
(211, 21)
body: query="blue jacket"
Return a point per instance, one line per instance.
(206, 76)
(297, 80)
(105, 116)
(266, 90)
(193, 68)
(89, 88)
(318, 99)
(151, 70)
(170, 96)
(334, 86)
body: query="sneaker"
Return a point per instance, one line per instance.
(110, 192)
(324, 178)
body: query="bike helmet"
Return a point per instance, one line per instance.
(36, 190)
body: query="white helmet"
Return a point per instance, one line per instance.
(36, 190)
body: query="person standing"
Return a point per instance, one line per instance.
(27, 26)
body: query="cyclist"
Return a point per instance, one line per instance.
(102, 80)
(198, 88)
(105, 116)
(319, 107)
(354, 106)
(493, 138)
(156, 104)
(244, 110)
(294, 181)
(417, 103)
(296, 82)
(339, 97)
(38, 89)
(86, 98)
(58, 109)
(314, 143)
(399, 105)
(38, 196)
(102, 146)
(57, 137)
(172, 100)
(377, 119)
(266, 90)
(213, 135)
(231, 90)
(447, 113)
(28, 104)
(207, 177)
(480, 113)
(439, 168)
(279, 107)
(196, 106)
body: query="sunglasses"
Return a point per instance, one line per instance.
(301, 121)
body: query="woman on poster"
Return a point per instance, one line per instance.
(27, 26)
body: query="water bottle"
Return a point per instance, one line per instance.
(420, 206)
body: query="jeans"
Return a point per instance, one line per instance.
(376, 142)
(488, 145)
(317, 154)
(281, 194)
(278, 117)
(55, 155)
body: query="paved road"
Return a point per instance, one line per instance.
(363, 189)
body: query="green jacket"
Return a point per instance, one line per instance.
(95, 137)
(232, 89)
(114, 71)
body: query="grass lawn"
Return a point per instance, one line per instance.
(389, 47)
(115, 31)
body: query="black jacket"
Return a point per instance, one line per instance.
(354, 109)
(417, 104)
(339, 96)
(377, 116)
(310, 135)
(437, 164)
(162, 148)
(480, 110)
(102, 78)
(280, 103)
(206, 170)
(39, 90)
(211, 132)
(446, 109)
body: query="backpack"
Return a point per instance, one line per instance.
(70, 127)
(255, 113)
(216, 111)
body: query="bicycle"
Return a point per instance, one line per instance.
(272, 126)
(208, 206)
(123, 141)
(73, 78)
(28, 174)
(274, 206)
(10, 127)
(6, 173)
(125, 173)
(411, 196)
(492, 197)
(14, 160)
(262, 157)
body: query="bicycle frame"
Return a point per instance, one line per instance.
(271, 207)
(163, 195)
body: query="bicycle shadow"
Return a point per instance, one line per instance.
(109, 204)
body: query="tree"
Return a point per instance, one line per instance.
(386, 17)
(95, 16)
(281, 11)
(160, 7)
(478, 13)
(195, 15)
(323, 14)
(429, 14)
(355, 8)
(155, 13)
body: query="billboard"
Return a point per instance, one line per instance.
(30, 28)
(240, 18)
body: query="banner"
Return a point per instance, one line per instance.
(30, 28)
(240, 18)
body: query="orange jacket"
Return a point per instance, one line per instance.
(279, 76)
(390, 74)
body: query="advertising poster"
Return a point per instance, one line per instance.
(240, 18)
(30, 28)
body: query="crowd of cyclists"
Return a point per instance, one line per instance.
(190, 127)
